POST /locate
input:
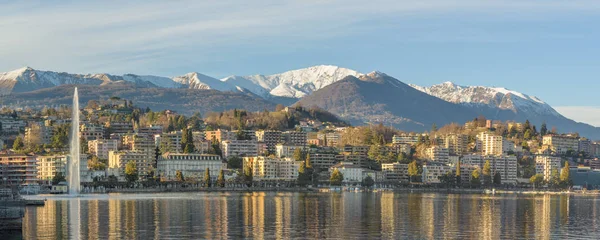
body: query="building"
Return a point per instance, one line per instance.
(438, 154)
(353, 174)
(19, 169)
(489, 144)
(294, 137)
(322, 161)
(12, 125)
(191, 165)
(402, 148)
(151, 130)
(272, 169)
(169, 142)
(49, 166)
(231, 148)
(118, 160)
(89, 131)
(315, 141)
(432, 172)
(585, 145)
(203, 146)
(269, 138)
(395, 172)
(545, 164)
(359, 160)
(101, 147)
(585, 177)
(411, 139)
(118, 127)
(330, 138)
(38, 134)
(283, 151)
(457, 144)
(506, 165)
(560, 144)
(219, 135)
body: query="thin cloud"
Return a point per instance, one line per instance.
(585, 114)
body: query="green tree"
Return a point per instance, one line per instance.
(18, 145)
(58, 177)
(475, 175)
(543, 129)
(487, 173)
(248, 175)
(537, 180)
(221, 179)
(565, 178)
(299, 155)
(374, 152)
(234, 162)
(497, 179)
(457, 173)
(131, 172)
(554, 178)
(413, 170)
(179, 176)
(336, 178)
(207, 181)
(368, 182)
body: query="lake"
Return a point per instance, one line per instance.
(347, 215)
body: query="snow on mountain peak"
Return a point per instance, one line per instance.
(200, 81)
(295, 83)
(493, 96)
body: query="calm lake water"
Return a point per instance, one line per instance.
(315, 216)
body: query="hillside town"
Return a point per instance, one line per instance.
(124, 146)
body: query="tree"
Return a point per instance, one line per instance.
(374, 153)
(543, 129)
(368, 182)
(299, 155)
(18, 145)
(497, 179)
(207, 181)
(457, 173)
(234, 162)
(131, 172)
(487, 173)
(179, 176)
(336, 178)
(95, 164)
(554, 178)
(434, 128)
(565, 178)
(413, 170)
(248, 175)
(475, 177)
(537, 180)
(221, 179)
(58, 177)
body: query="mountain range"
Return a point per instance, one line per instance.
(359, 98)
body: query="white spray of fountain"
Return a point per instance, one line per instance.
(74, 182)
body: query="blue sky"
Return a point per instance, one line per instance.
(549, 49)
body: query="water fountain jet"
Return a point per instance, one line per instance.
(74, 171)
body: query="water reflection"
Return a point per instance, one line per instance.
(314, 215)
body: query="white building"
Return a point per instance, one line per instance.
(239, 148)
(545, 164)
(561, 143)
(504, 164)
(272, 169)
(283, 151)
(49, 166)
(457, 144)
(101, 147)
(405, 139)
(395, 172)
(353, 173)
(118, 160)
(438, 154)
(192, 166)
(432, 172)
(489, 144)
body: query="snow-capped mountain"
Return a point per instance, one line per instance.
(494, 97)
(196, 80)
(293, 84)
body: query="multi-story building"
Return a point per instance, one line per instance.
(438, 154)
(359, 160)
(322, 161)
(18, 169)
(585, 145)
(169, 142)
(49, 166)
(191, 165)
(356, 150)
(595, 163)
(37, 134)
(90, 131)
(352, 173)
(504, 164)
(546, 164)
(269, 138)
(101, 147)
(402, 148)
(118, 127)
(489, 144)
(395, 172)
(203, 146)
(118, 160)
(239, 148)
(272, 169)
(432, 171)
(560, 144)
(151, 130)
(294, 137)
(330, 138)
(283, 151)
(411, 139)
(219, 135)
(457, 144)
(12, 125)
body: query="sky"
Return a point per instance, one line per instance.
(544, 48)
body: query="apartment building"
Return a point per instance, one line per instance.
(438, 153)
(101, 147)
(170, 141)
(49, 166)
(560, 144)
(269, 138)
(18, 169)
(118, 160)
(457, 144)
(489, 144)
(545, 164)
(411, 139)
(352, 173)
(294, 137)
(283, 151)
(37, 134)
(395, 172)
(272, 169)
(219, 135)
(90, 131)
(432, 171)
(322, 161)
(239, 148)
(118, 127)
(191, 165)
